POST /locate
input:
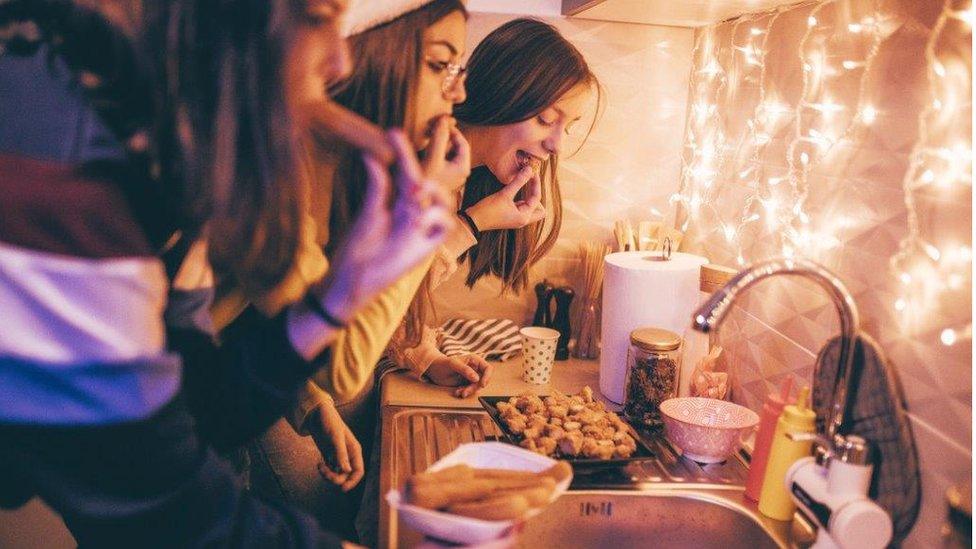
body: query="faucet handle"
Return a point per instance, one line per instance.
(852, 449)
(847, 449)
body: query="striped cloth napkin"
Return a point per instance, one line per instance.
(493, 338)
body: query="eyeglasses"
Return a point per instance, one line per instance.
(453, 74)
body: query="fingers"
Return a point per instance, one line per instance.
(484, 367)
(336, 121)
(537, 214)
(534, 195)
(328, 474)
(462, 369)
(466, 391)
(515, 185)
(358, 467)
(409, 175)
(341, 453)
(462, 150)
(436, 152)
(377, 186)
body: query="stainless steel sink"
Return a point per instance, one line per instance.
(665, 502)
(666, 518)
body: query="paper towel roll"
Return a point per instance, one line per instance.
(640, 291)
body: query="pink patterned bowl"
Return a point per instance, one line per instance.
(706, 430)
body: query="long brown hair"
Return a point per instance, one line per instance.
(227, 135)
(518, 70)
(381, 88)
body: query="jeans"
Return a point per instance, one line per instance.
(284, 467)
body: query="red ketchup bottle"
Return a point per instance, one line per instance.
(764, 438)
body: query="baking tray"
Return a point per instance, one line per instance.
(642, 453)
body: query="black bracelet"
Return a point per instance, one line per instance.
(470, 223)
(313, 303)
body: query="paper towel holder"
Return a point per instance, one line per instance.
(665, 254)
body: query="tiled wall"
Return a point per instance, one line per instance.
(630, 163)
(826, 102)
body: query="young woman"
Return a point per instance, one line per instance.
(148, 127)
(406, 76)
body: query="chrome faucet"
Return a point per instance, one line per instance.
(710, 315)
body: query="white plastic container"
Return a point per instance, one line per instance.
(466, 530)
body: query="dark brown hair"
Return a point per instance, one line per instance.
(226, 134)
(518, 70)
(387, 60)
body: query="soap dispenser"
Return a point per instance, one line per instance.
(774, 499)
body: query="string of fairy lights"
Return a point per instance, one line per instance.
(941, 160)
(774, 203)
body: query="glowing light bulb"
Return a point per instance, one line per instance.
(851, 65)
(905, 278)
(933, 252)
(948, 337)
(807, 67)
(869, 114)
(755, 32)
(928, 176)
(939, 69)
(804, 158)
(900, 304)
(729, 233)
(966, 16)
(855, 27)
(811, 21)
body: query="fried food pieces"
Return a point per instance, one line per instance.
(487, 494)
(561, 425)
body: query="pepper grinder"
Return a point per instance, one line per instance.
(564, 297)
(543, 295)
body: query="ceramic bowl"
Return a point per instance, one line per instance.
(706, 430)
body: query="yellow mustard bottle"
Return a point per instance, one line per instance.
(774, 500)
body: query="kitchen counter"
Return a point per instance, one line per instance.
(422, 422)
(568, 376)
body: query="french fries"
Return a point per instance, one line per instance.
(487, 494)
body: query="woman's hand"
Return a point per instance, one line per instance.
(384, 243)
(467, 372)
(342, 454)
(447, 159)
(502, 211)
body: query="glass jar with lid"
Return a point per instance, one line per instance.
(653, 373)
